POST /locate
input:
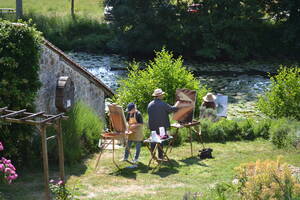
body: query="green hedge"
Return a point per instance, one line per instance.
(19, 83)
(282, 132)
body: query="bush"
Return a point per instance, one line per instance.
(282, 100)
(283, 132)
(19, 83)
(164, 72)
(267, 180)
(81, 132)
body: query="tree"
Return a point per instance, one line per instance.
(19, 8)
(72, 9)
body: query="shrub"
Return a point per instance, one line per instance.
(81, 132)
(267, 180)
(19, 83)
(164, 72)
(282, 100)
(283, 132)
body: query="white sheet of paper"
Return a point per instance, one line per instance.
(68, 103)
(162, 131)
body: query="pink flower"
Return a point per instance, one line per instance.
(51, 181)
(11, 167)
(1, 146)
(60, 182)
(2, 167)
(8, 171)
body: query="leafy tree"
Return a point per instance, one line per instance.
(19, 82)
(164, 72)
(282, 100)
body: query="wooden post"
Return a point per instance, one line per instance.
(72, 9)
(19, 9)
(191, 140)
(45, 161)
(60, 150)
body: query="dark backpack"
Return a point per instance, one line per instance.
(205, 153)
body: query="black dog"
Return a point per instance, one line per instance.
(205, 153)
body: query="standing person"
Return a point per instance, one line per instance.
(158, 112)
(208, 107)
(135, 129)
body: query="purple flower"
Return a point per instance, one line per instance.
(1, 146)
(51, 181)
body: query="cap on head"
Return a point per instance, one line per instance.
(130, 106)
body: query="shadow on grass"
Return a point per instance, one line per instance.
(166, 168)
(194, 161)
(130, 171)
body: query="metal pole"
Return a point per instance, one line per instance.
(45, 161)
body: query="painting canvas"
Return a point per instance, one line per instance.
(187, 99)
(222, 102)
(117, 118)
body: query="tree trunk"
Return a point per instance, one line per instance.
(19, 9)
(72, 9)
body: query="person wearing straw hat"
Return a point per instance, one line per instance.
(209, 101)
(158, 112)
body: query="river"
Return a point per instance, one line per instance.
(242, 89)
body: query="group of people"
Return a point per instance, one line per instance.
(158, 113)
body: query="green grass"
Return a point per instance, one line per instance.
(89, 8)
(183, 174)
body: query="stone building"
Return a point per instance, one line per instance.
(54, 64)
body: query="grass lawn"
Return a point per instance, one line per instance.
(183, 174)
(90, 8)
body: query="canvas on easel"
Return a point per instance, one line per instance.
(117, 118)
(187, 102)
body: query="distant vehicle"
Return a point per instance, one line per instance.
(107, 12)
(194, 8)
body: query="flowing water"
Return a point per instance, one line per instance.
(241, 89)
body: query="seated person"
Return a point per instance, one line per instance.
(135, 131)
(208, 107)
(209, 101)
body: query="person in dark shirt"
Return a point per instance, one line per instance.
(135, 131)
(158, 112)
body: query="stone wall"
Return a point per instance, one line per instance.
(53, 64)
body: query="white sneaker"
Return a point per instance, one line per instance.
(135, 161)
(124, 160)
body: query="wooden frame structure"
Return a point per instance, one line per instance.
(41, 121)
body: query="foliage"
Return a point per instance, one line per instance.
(164, 72)
(7, 169)
(283, 132)
(282, 100)
(60, 191)
(19, 82)
(267, 180)
(81, 132)
(82, 34)
(221, 30)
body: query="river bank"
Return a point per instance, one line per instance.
(241, 88)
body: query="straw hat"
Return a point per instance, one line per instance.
(209, 97)
(158, 92)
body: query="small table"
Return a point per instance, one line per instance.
(191, 127)
(158, 145)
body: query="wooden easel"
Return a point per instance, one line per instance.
(193, 126)
(119, 128)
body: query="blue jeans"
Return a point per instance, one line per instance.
(137, 149)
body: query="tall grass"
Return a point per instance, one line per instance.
(90, 8)
(81, 34)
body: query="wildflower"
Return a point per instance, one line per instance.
(1, 146)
